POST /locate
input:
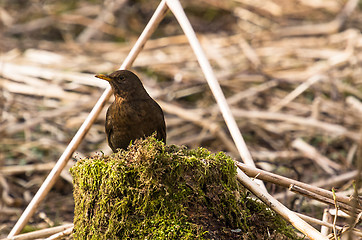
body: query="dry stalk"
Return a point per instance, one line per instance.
(328, 225)
(10, 170)
(330, 128)
(278, 179)
(31, 25)
(82, 20)
(31, 75)
(312, 153)
(325, 182)
(323, 28)
(327, 218)
(52, 91)
(348, 228)
(267, 6)
(275, 155)
(41, 233)
(5, 195)
(345, 207)
(62, 234)
(287, 182)
(250, 92)
(290, 216)
(105, 15)
(296, 92)
(180, 15)
(11, 128)
(354, 103)
(250, 53)
(336, 215)
(193, 116)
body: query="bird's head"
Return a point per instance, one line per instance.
(124, 83)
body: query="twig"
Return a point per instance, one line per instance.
(325, 182)
(312, 153)
(60, 235)
(290, 216)
(317, 221)
(53, 91)
(355, 231)
(336, 215)
(9, 211)
(11, 128)
(345, 87)
(267, 6)
(346, 207)
(250, 53)
(275, 155)
(9, 170)
(306, 122)
(323, 28)
(356, 201)
(31, 25)
(5, 193)
(356, 221)
(250, 92)
(30, 75)
(41, 233)
(197, 119)
(104, 16)
(354, 103)
(296, 92)
(286, 182)
(327, 218)
(181, 17)
(82, 20)
(249, 19)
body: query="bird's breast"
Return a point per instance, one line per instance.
(131, 112)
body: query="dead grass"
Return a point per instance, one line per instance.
(295, 91)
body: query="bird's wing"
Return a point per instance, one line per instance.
(109, 128)
(161, 128)
(161, 133)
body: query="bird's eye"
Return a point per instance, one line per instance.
(122, 78)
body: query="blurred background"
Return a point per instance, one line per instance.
(290, 69)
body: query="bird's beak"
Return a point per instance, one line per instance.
(104, 77)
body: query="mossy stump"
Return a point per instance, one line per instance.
(154, 191)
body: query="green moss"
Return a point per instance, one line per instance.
(153, 191)
(29, 228)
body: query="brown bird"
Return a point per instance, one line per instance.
(133, 114)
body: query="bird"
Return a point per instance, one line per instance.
(133, 114)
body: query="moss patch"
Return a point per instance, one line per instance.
(153, 191)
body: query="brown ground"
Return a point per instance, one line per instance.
(259, 52)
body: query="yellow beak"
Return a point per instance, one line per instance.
(104, 77)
